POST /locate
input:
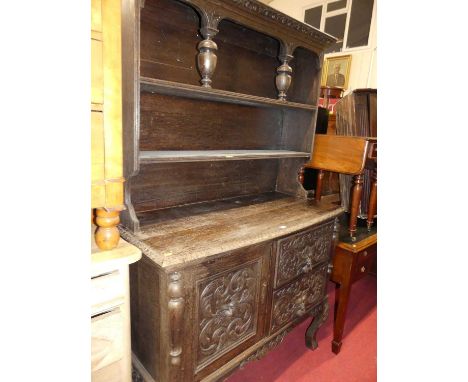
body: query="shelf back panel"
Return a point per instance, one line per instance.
(168, 41)
(247, 61)
(305, 78)
(173, 184)
(176, 123)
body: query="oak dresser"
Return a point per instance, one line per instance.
(220, 104)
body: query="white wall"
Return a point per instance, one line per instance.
(363, 72)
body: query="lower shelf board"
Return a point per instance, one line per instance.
(211, 155)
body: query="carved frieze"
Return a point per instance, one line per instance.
(228, 306)
(301, 252)
(262, 351)
(293, 300)
(272, 14)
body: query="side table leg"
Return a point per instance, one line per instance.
(372, 202)
(342, 292)
(355, 202)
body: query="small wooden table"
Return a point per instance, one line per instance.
(352, 261)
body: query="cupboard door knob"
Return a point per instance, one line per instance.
(365, 253)
(363, 269)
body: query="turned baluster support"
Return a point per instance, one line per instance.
(107, 234)
(207, 58)
(284, 71)
(372, 202)
(356, 194)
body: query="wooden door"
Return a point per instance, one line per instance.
(230, 303)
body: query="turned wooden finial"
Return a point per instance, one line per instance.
(107, 235)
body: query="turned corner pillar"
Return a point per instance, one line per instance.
(207, 59)
(176, 306)
(284, 71)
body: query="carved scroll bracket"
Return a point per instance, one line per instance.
(207, 58)
(176, 312)
(320, 314)
(284, 71)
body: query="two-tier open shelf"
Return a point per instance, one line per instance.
(247, 131)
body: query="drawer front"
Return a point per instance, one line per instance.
(301, 252)
(295, 299)
(365, 259)
(107, 292)
(107, 339)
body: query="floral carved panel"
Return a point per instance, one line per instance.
(228, 310)
(301, 252)
(295, 299)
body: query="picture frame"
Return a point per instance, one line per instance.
(336, 71)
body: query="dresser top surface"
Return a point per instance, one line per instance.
(195, 237)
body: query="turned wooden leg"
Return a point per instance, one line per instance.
(107, 234)
(372, 202)
(300, 175)
(318, 188)
(342, 292)
(355, 202)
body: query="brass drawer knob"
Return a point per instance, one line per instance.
(363, 269)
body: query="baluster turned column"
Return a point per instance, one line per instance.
(207, 59)
(284, 71)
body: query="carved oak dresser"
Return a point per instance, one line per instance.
(219, 107)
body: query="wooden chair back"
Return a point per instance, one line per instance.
(342, 154)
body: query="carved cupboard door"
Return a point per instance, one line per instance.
(230, 294)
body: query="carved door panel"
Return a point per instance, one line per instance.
(230, 295)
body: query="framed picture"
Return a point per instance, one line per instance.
(335, 71)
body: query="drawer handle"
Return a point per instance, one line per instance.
(364, 253)
(301, 310)
(308, 266)
(363, 269)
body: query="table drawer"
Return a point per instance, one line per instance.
(301, 252)
(294, 300)
(107, 338)
(364, 261)
(107, 292)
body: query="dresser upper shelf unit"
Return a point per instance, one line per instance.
(213, 155)
(197, 92)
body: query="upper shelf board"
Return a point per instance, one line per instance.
(198, 92)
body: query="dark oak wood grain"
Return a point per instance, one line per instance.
(175, 123)
(184, 183)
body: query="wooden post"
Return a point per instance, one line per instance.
(372, 202)
(356, 193)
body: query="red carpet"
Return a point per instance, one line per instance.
(291, 361)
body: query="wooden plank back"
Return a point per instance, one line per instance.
(342, 154)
